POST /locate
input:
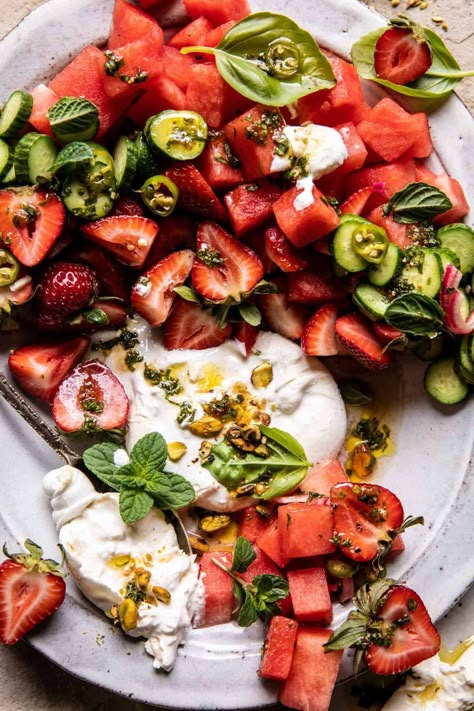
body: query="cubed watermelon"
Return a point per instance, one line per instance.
(387, 178)
(217, 12)
(453, 189)
(313, 673)
(161, 94)
(177, 66)
(278, 649)
(389, 140)
(206, 93)
(356, 150)
(398, 546)
(218, 594)
(142, 57)
(388, 111)
(251, 138)
(43, 99)
(270, 543)
(310, 595)
(424, 175)
(306, 529)
(313, 286)
(397, 232)
(192, 35)
(218, 165)
(356, 203)
(129, 24)
(263, 565)
(321, 478)
(303, 226)
(252, 524)
(215, 36)
(250, 206)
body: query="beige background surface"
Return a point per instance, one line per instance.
(28, 682)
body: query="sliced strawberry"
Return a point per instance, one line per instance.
(366, 519)
(103, 313)
(408, 635)
(90, 399)
(31, 221)
(176, 232)
(286, 319)
(31, 589)
(247, 335)
(39, 368)
(356, 202)
(128, 238)
(314, 286)
(386, 333)
(282, 253)
(127, 205)
(195, 194)
(224, 268)
(153, 294)
(113, 276)
(400, 56)
(357, 335)
(65, 288)
(192, 327)
(319, 337)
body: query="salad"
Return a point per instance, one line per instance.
(185, 226)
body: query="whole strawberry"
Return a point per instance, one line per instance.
(65, 289)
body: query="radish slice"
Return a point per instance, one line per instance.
(455, 303)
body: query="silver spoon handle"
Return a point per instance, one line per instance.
(50, 436)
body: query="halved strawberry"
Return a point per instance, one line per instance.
(195, 194)
(282, 253)
(191, 326)
(401, 56)
(128, 205)
(90, 399)
(319, 336)
(286, 319)
(128, 238)
(224, 267)
(176, 232)
(102, 313)
(356, 202)
(153, 294)
(386, 333)
(247, 335)
(113, 276)
(31, 221)
(39, 368)
(357, 334)
(31, 589)
(407, 634)
(367, 518)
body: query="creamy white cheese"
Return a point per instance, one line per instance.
(103, 552)
(321, 146)
(438, 686)
(305, 197)
(302, 399)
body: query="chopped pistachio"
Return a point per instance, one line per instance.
(212, 523)
(262, 375)
(363, 461)
(161, 594)
(207, 426)
(128, 615)
(176, 450)
(142, 578)
(198, 544)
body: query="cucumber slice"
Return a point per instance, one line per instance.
(459, 238)
(6, 158)
(10, 177)
(74, 119)
(424, 277)
(471, 347)
(35, 155)
(428, 349)
(443, 383)
(447, 256)
(83, 202)
(464, 356)
(180, 135)
(371, 301)
(147, 165)
(342, 248)
(15, 114)
(381, 274)
(125, 160)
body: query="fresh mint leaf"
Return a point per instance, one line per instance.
(149, 454)
(134, 505)
(417, 202)
(171, 491)
(99, 459)
(269, 589)
(416, 314)
(74, 119)
(248, 612)
(269, 59)
(244, 555)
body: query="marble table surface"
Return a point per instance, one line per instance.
(29, 681)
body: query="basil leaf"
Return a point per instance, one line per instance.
(74, 119)
(73, 157)
(432, 88)
(250, 314)
(149, 454)
(134, 505)
(285, 440)
(244, 555)
(416, 314)
(99, 459)
(417, 202)
(171, 491)
(248, 59)
(248, 612)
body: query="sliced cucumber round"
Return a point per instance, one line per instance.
(9, 178)
(381, 274)
(147, 165)
(35, 155)
(343, 250)
(447, 256)
(180, 135)
(6, 158)
(15, 114)
(459, 238)
(424, 272)
(125, 160)
(370, 301)
(464, 357)
(83, 202)
(443, 383)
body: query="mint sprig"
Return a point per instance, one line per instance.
(143, 482)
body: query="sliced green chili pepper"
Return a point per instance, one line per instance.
(282, 58)
(9, 268)
(369, 241)
(180, 135)
(160, 195)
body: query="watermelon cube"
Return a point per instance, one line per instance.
(270, 543)
(141, 56)
(215, 36)
(217, 12)
(356, 150)
(177, 66)
(424, 175)
(263, 565)
(43, 99)
(389, 140)
(251, 138)
(321, 478)
(278, 649)
(313, 672)
(193, 34)
(310, 595)
(206, 93)
(313, 286)
(129, 24)
(453, 189)
(387, 178)
(250, 206)
(161, 94)
(252, 524)
(389, 112)
(306, 529)
(397, 232)
(308, 224)
(218, 165)
(398, 546)
(218, 594)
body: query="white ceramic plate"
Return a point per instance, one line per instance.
(430, 472)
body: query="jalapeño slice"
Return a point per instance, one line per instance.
(9, 268)
(160, 195)
(180, 135)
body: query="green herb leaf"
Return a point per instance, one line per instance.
(429, 90)
(73, 158)
(269, 589)
(416, 314)
(96, 316)
(248, 612)
(171, 491)
(244, 554)
(417, 202)
(74, 119)
(99, 459)
(149, 454)
(134, 505)
(269, 59)
(355, 392)
(187, 293)
(250, 314)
